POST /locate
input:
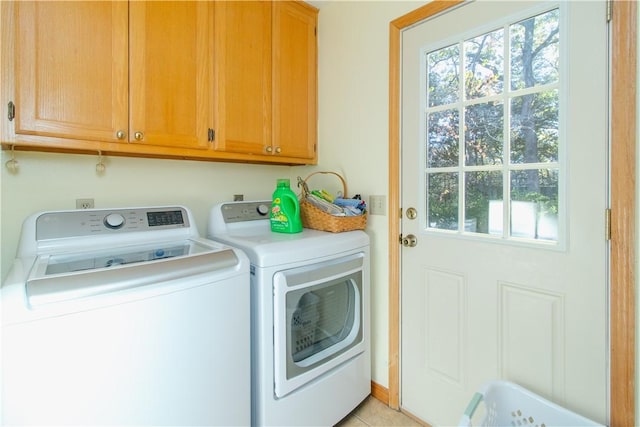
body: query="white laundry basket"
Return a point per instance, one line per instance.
(508, 404)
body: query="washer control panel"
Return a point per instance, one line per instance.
(246, 211)
(87, 222)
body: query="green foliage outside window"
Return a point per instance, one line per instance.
(487, 140)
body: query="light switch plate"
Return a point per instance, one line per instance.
(378, 205)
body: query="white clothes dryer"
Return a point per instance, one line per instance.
(124, 317)
(311, 362)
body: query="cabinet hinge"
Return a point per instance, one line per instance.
(607, 224)
(211, 135)
(12, 110)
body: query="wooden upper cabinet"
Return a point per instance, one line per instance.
(136, 72)
(294, 80)
(171, 48)
(71, 70)
(211, 80)
(266, 79)
(242, 91)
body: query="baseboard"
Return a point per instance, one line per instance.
(379, 392)
(382, 394)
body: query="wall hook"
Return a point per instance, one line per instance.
(100, 167)
(12, 163)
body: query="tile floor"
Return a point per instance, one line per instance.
(372, 412)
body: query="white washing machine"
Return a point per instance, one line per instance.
(311, 362)
(124, 317)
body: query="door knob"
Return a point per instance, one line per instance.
(409, 241)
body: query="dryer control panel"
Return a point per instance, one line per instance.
(245, 211)
(87, 222)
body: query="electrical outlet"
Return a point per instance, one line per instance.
(84, 204)
(378, 205)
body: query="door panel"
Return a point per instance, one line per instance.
(318, 320)
(478, 306)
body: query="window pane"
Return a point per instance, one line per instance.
(534, 206)
(535, 54)
(321, 318)
(534, 128)
(484, 134)
(443, 137)
(482, 189)
(484, 65)
(470, 156)
(442, 201)
(443, 76)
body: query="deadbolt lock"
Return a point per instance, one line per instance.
(412, 213)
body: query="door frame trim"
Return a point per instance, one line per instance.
(623, 132)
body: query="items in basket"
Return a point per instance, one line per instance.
(352, 207)
(336, 206)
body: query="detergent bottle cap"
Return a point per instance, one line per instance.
(283, 182)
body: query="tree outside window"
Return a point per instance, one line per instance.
(492, 132)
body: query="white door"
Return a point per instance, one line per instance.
(504, 158)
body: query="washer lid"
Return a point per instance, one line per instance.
(63, 277)
(70, 263)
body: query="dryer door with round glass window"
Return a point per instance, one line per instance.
(318, 318)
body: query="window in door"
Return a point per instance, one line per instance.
(493, 140)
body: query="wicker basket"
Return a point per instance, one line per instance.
(315, 218)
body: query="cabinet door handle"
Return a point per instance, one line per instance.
(269, 149)
(121, 134)
(138, 136)
(278, 150)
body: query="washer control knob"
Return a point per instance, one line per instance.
(114, 221)
(263, 209)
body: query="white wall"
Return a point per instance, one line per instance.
(353, 128)
(53, 181)
(353, 140)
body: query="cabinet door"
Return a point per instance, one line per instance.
(243, 76)
(170, 66)
(294, 80)
(71, 75)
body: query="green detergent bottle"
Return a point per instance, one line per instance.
(285, 209)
